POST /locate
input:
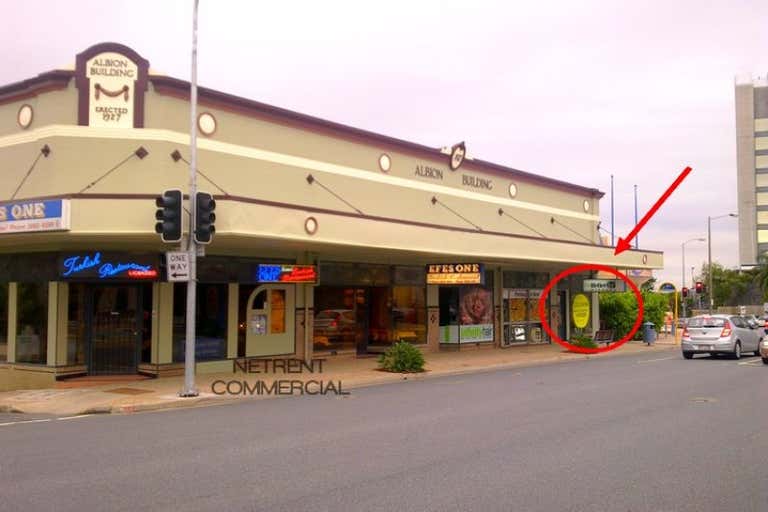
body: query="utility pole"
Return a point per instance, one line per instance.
(637, 238)
(190, 389)
(613, 243)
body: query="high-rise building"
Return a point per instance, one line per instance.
(752, 166)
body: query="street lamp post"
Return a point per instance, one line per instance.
(683, 281)
(709, 257)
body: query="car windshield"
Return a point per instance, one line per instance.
(704, 321)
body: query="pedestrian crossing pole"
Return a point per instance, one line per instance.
(190, 390)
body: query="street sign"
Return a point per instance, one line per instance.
(177, 264)
(604, 285)
(667, 288)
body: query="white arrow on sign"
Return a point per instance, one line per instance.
(177, 264)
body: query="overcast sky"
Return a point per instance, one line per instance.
(572, 90)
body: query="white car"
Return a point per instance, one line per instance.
(721, 334)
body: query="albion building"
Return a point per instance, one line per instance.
(330, 240)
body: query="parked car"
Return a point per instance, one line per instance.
(720, 334)
(763, 320)
(764, 350)
(753, 320)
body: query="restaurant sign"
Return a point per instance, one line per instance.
(108, 267)
(286, 274)
(34, 216)
(455, 273)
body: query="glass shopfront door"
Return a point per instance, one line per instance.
(115, 329)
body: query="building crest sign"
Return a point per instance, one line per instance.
(112, 80)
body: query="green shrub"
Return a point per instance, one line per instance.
(402, 357)
(618, 311)
(579, 340)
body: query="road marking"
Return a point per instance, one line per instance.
(660, 359)
(751, 362)
(24, 421)
(74, 417)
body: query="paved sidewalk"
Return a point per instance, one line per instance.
(346, 372)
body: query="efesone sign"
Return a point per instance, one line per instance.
(33, 216)
(455, 273)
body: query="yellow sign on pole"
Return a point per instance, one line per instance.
(580, 310)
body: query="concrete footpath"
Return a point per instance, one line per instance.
(344, 372)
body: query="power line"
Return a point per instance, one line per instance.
(435, 200)
(140, 153)
(44, 151)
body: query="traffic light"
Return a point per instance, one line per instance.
(699, 287)
(685, 292)
(204, 217)
(169, 216)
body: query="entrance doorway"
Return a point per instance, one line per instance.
(116, 326)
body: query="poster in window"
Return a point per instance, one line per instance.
(533, 305)
(517, 305)
(476, 314)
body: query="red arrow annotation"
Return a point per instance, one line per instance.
(624, 243)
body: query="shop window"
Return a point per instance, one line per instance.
(3, 322)
(277, 311)
(466, 313)
(210, 321)
(521, 322)
(335, 326)
(76, 324)
(32, 323)
(409, 314)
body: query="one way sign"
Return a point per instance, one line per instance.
(177, 264)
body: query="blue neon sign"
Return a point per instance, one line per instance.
(82, 266)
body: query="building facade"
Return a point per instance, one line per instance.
(752, 167)
(329, 239)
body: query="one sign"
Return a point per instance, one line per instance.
(286, 274)
(667, 288)
(33, 216)
(604, 285)
(106, 267)
(177, 264)
(455, 273)
(580, 310)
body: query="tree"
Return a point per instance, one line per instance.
(761, 277)
(649, 285)
(732, 287)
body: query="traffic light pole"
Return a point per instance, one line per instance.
(190, 389)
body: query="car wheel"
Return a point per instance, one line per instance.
(737, 350)
(757, 352)
(765, 360)
(689, 355)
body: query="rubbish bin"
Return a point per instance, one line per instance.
(649, 333)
